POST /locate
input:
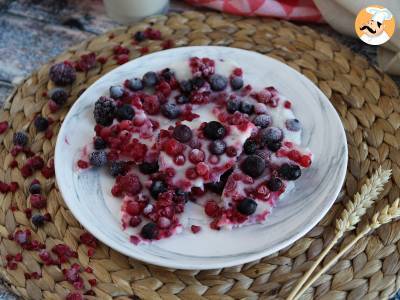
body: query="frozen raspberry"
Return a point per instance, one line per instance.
(149, 231)
(172, 147)
(247, 206)
(157, 187)
(74, 296)
(129, 184)
(104, 111)
(59, 96)
(98, 158)
(218, 82)
(214, 130)
(170, 111)
(86, 62)
(149, 167)
(253, 165)
(236, 83)
(150, 79)
(151, 104)
(20, 139)
(164, 88)
(289, 171)
(88, 239)
(62, 73)
(212, 209)
(41, 123)
(262, 121)
(182, 133)
(152, 34)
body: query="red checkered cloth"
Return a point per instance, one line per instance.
(296, 10)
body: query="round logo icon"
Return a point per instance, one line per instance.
(375, 25)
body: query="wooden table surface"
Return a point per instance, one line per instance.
(33, 31)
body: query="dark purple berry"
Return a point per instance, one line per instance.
(116, 91)
(157, 187)
(170, 111)
(139, 36)
(218, 82)
(236, 83)
(247, 206)
(62, 73)
(232, 106)
(35, 188)
(150, 79)
(274, 184)
(293, 125)
(273, 147)
(135, 84)
(182, 99)
(149, 167)
(183, 133)
(262, 121)
(214, 130)
(253, 166)
(289, 171)
(20, 139)
(98, 158)
(125, 112)
(197, 82)
(38, 220)
(250, 146)
(218, 187)
(104, 111)
(246, 107)
(186, 86)
(99, 143)
(59, 96)
(117, 168)
(41, 123)
(149, 231)
(270, 135)
(217, 147)
(167, 74)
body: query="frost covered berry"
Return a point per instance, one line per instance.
(98, 158)
(104, 111)
(20, 139)
(62, 73)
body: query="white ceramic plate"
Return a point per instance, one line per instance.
(88, 196)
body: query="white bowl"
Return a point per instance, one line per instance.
(88, 196)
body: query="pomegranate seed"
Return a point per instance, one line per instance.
(195, 229)
(305, 161)
(167, 44)
(53, 106)
(102, 60)
(214, 225)
(12, 265)
(4, 187)
(212, 209)
(144, 50)
(13, 164)
(287, 104)
(18, 257)
(152, 34)
(135, 221)
(74, 296)
(172, 147)
(88, 270)
(3, 126)
(134, 239)
(48, 134)
(27, 276)
(90, 252)
(83, 164)
(28, 212)
(238, 72)
(38, 201)
(92, 282)
(13, 186)
(191, 173)
(122, 58)
(26, 171)
(120, 50)
(9, 257)
(179, 160)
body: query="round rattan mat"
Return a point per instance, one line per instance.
(366, 99)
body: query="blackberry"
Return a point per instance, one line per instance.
(59, 96)
(289, 171)
(183, 133)
(150, 79)
(157, 187)
(116, 91)
(236, 83)
(170, 111)
(38, 220)
(104, 111)
(214, 130)
(253, 165)
(117, 168)
(246, 107)
(135, 84)
(270, 135)
(247, 206)
(262, 121)
(182, 99)
(274, 146)
(99, 143)
(274, 184)
(149, 167)
(218, 83)
(167, 74)
(250, 146)
(62, 73)
(35, 188)
(217, 147)
(232, 106)
(186, 86)
(218, 187)
(125, 112)
(139, 36)
(41, 123)
(98, 158)
(20, 139)
(197, 82)
(293, 125)
(149, 231)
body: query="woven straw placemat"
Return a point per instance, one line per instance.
(366, 99)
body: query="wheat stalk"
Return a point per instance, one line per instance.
(349, 217)
(385, 215)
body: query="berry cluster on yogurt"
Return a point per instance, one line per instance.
(195, 133)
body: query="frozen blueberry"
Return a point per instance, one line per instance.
(232, 106)
(183, 133)
(270, 135)
(217, 147)
(197, 82)
(293, 125)
(157, 187)
(289, 171)
(104, 111)
(182, 99)
(99, 143)
(125, 112)
(20, 139)
(170, 111)
(41, 123)
(116, 91)
(250, 146)
(117, 168)
(59, 96)
(150, 79)
(274, 184)
(247, 206)
(139, 36)
(62, 73)
(98, 158)
(236, 83)
(262, 121)
(35, 188)
(214, 130)
(38, 220)
(246, 107)
(218, 82)
(149, 231)
(274, 146)
(186, 86)
(149, 167)
(253, 165)
(135, 84)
